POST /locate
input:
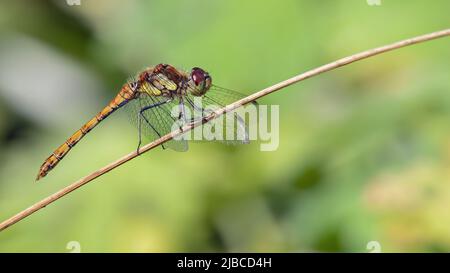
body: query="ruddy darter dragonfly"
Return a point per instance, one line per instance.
(149, 99)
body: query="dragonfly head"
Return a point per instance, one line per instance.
(199, 82)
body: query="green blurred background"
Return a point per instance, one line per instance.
(364, 151)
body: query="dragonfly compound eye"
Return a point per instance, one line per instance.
(201, 81)
(198, 76)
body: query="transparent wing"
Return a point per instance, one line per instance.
(156, 121)
(230, 128)
(222, 95)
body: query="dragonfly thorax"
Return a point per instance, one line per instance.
(165, 80)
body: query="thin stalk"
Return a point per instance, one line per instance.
(253, 97)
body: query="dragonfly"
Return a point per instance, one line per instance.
(150, 97)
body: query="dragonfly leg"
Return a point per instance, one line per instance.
(204, 112)
(141, 115)
(140, 133)
(200, 110)
(182, 114)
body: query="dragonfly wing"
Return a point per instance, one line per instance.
(233, 125)
(157, 121)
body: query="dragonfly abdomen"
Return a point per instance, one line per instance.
(124, 96)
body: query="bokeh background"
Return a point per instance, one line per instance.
(364, 151)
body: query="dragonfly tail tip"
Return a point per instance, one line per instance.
(39, 176)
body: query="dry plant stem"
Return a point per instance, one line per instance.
(314, 72)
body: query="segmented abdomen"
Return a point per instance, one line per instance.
(125, 95)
